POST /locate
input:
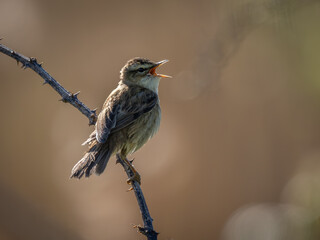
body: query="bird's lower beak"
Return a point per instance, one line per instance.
(158, 64)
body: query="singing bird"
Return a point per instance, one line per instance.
(130, 116)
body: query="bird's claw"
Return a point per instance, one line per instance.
(135, 178)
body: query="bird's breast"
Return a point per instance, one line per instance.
(144, 128)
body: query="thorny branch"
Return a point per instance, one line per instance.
(67, 97)
(72, 98)
(147, 230)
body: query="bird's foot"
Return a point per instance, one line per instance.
(135, 178)
(127, 164)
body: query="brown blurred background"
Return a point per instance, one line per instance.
(238, 152)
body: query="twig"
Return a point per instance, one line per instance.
(147, 229)
(71, 98)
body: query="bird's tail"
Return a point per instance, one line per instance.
(95, 160)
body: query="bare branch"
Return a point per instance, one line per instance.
(147, 229)
(72, 98)
(66, 96)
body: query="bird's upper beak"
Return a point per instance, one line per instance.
(158, 64)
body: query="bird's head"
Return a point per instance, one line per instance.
(142, 72)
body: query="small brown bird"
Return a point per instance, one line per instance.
(129, 118)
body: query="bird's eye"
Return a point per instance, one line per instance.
(140, 69)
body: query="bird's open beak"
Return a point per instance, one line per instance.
(158, 64)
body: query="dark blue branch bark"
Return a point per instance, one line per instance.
(66, 96)
(147, 229)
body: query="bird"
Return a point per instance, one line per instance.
(130, 116)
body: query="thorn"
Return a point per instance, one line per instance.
(32, 59)
(94, 111)
(135, 226)
(130, 189)
(63, 100)
(44, 83)
(40, 64)
(1, 39)
(141, 229)
(17, 62)
(24, 66)
(91, 122)
(74, 95)
(145, 231)
(93, 119)
(119, 160)
(131, 161)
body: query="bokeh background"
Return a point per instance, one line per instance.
(238, 152)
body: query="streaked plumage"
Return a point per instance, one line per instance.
(129, 118)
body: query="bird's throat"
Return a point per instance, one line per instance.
(151, 84)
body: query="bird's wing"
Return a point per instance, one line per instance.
(122, 108)
(106, 122)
